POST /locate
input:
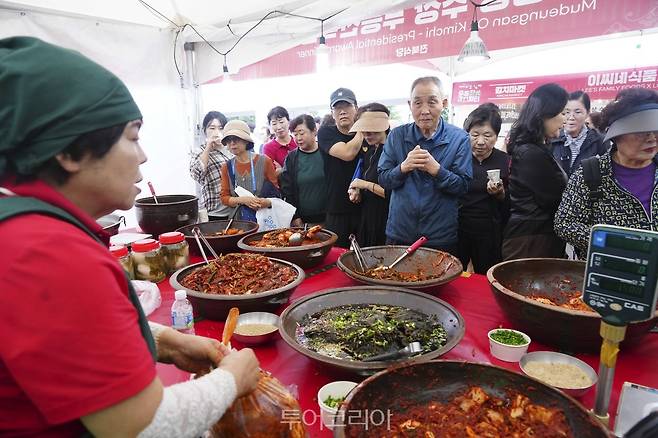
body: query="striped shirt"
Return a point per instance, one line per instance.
(210, 179)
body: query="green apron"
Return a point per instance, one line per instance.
(11, 206)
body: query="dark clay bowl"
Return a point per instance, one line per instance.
(571, 330)
(221, 244)
(216, 306)
(424, 258)
(449, 317)
(170, 213)
(398, 389)
(305, 256)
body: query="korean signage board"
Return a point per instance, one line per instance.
(603, 85)
(437, 29)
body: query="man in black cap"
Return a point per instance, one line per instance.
(341, 150)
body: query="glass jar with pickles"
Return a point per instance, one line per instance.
(125, 259)
(149, 261)
(175, 250)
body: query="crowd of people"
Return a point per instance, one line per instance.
(77, 355)
(355, 175)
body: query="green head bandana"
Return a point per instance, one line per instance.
(49, 96)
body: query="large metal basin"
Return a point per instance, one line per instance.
(424, 258)
(571, 330)
(305, 256)
(394, 390)
(216, 306)
(449, 317)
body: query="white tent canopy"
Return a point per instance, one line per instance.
(137, 44)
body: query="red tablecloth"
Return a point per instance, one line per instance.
(471, 296)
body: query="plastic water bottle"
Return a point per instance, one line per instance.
(182, 316)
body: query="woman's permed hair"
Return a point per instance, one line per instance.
(485, 113)
(624, 103)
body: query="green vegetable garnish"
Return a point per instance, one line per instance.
(333, 402)
(508, 337)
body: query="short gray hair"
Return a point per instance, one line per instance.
(425, 80)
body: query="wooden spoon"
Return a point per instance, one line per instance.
(229, 325)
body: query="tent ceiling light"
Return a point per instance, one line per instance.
(322, 56)
(474, 49)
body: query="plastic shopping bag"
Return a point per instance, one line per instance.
(148, 294)
(278, 216)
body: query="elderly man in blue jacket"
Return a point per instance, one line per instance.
(427, 167)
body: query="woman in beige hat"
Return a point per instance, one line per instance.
(248, 170)
(372, 121)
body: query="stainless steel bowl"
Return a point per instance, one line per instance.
(555, 357)
(257, 318)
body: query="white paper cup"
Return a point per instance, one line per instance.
(334, 389)
(493, 175)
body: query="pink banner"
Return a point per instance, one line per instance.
(439, 28)
(599, 85)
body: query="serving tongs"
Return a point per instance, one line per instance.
(358, 254)
(407, 252)
(198, 235)
(409, 350)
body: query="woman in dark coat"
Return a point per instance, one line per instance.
(485, 207)
(536, 179)
(577, 141)
(372, 121)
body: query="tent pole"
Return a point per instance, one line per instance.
(192, 83)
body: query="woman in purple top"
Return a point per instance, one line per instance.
(627, 193)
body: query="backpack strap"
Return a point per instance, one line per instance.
(592, 177)
(12, 206)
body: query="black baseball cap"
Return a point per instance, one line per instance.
(342, 95)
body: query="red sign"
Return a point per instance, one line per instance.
(439, 28)
(599, 85)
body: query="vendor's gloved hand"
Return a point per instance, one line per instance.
(191, 353)
(245, 369)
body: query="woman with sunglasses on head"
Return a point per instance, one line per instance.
(372, 121)
(626, 176)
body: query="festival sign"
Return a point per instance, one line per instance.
(439, 28)
(599, 85)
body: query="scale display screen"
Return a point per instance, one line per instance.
(628, 243)
(621, 273)
(623, 266)
(615, 285)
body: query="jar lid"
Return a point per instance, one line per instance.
(145, 245)
(118, 250)
(173, 237)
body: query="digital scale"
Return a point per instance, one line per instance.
(621, 281)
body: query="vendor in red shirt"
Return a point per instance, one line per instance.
(282, 143)
(77, 355)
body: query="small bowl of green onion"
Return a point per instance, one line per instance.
(507, 344)
(330, 396)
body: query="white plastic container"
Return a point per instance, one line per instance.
(336, 389)
(505, 352)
